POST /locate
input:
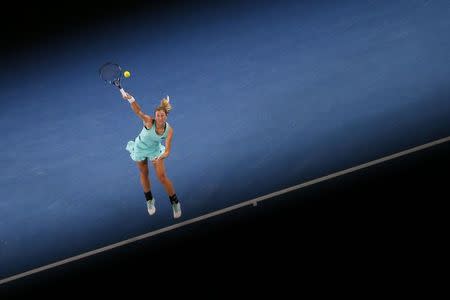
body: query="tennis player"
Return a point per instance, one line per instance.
(148, 146)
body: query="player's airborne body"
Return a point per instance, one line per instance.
(148, 145)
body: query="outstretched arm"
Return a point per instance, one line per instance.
(136, 108)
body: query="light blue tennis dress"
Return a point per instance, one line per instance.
(148, 144)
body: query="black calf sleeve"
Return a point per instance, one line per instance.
(148, 195)
(173, 199)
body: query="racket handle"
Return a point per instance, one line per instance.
(122, 91)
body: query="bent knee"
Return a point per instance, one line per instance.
(163, 178)
(144, 173)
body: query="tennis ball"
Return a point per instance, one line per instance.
(126, 74)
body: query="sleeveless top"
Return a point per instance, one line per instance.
(150, 138)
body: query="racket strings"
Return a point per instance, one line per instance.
(111, 73)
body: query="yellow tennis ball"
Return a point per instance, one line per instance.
(126, 74)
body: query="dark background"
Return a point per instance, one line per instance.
(373, 220)
(378, 223)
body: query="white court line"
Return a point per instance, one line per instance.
(225, 210)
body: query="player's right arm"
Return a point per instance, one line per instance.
(137, 109)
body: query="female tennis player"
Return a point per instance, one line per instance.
(148, 145)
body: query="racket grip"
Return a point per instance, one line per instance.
(124, 94)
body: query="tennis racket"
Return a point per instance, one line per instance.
(112, 73)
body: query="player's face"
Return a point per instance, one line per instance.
(160, 117)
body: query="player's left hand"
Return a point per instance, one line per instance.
(162, 156)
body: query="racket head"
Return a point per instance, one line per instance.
(111, 73)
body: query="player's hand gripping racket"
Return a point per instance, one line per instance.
(112, 73)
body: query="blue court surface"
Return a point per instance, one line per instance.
(264, 97)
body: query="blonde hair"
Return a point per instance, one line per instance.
(165, 105)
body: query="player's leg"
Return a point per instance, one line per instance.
(145, 182)
(167, 183)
